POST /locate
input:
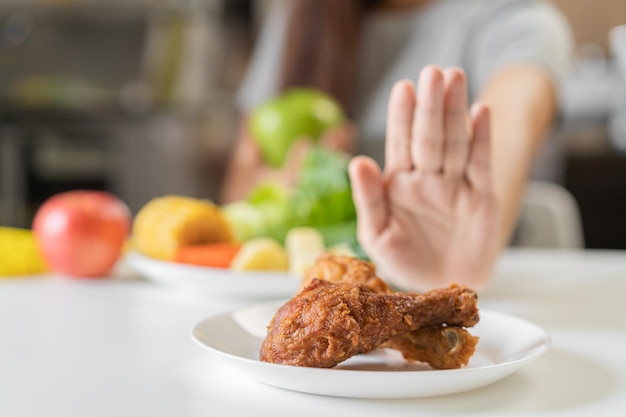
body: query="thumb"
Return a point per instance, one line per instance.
(368, 193)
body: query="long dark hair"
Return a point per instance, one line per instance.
(322, 46)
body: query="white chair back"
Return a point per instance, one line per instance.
(549, 218)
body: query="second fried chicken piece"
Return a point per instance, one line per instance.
(442, 347)
(337, 268)
(327, 323)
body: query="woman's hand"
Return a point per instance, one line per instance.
(342, 138)
(431, 219)
(247, 167)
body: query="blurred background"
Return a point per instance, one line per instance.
(137, 97)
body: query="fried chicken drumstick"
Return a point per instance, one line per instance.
(327, 323)
(442, 347)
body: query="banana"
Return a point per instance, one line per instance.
(304, 245)
(342, 249)
(19, 254)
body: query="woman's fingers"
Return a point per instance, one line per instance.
(399, 124)
(341, 138)
(369, 197)
(456, 142)
(288, 174)
(428, 131)
(479, 165)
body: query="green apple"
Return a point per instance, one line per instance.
(298, 113)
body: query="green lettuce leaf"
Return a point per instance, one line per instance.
(321, 198)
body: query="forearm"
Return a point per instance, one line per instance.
(238, 180)
(236, 185)
(523, 103)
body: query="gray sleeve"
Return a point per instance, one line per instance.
(524, 32)
(261, 79)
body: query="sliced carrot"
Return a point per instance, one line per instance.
(216, 255)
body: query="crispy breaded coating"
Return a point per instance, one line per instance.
(442, 347)
(334, 268)
(327, 323)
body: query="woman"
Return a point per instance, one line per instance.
(453, 179)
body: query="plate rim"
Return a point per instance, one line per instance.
(217, 281)
(506, 367)
(134, 256)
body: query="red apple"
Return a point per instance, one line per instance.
(82, 233)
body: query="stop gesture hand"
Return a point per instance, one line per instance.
(431, 218)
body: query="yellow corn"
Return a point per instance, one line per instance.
(19, 254)
(168, 223)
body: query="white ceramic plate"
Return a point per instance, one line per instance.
(214, 281)
(506, 343)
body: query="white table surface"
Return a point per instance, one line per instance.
(122, 347)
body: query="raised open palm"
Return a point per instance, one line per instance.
(431, 218)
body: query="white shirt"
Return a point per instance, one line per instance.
(481, 36)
